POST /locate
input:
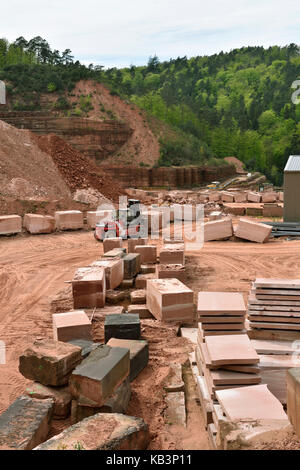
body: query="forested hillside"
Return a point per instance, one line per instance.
(229, 104)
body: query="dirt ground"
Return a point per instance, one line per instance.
(33, 271)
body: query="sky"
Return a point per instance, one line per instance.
(118, 33)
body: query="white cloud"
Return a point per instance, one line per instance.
(118, 33)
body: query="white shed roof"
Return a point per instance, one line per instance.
(293, 164)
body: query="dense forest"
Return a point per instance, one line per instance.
(228, 104)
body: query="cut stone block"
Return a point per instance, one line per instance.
(269, 196)
(99, 375)
(89, 287)
(60, 395)
(103, 431)
(49, 362)
(68, 220)
(175, 413)
(10, 224)
(226, 377)
(240, 197)
(114, 271)
(254, 197)
(138, 296)
(71, 325)
(141, 280)
(167, 271)
(214, 197)
(173, 241)
(227, 197)
(174, 382)
(115, 296)
(256, 210)
(293, 398)
(272, 210)
(36, 224)
(133, 242)
(253, 402)
(132, 265)
(141, 310)
(96, 217)
(139, 354)
(148, 268)
(116, 253)
(172, 254)
(218, 230)
(231, 349)
(125, 326)
(169, 300)
(127, 283)
(25, 424)
(117, 403)
(109, 310)
(86, 346)
(111, 243)
(253, 231)
(148, 253)
(281, 196)
(215, 215)
(221, 303)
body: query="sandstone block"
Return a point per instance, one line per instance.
(89, 287)
(114, 271)
(133, 242)
(227, 197)
(116, 253)
(141, 310)
(147, 268)
(253, 197)
(141, 280)
(99, 375)
(60, 395)
(269, 196)
(139, 354)
(253, 231)
(111, 243)
(49, 362)
(96, 217)
(36, 224)
(240, 197)
(132, 265)
(71, 325)
(218, 230)
(125, 326)
(167, 271)
(148, 253)
(68, 220)
(172, 254)
(10, 224)
(138, 296)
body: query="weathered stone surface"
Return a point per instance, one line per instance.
(96, 217)
(147, 268)
(125, 326)
(138, 296)
(104, 431)
(10, 224)
(167, 271)
(174, 382)
(61, 397)
(141, 310)
(253, 197)
(253, 231)
(89, 287)
(115, 296)
(114, 271)
(218, 230)
(99, 375)
(172, 254)
(35, 223)
(25, 424)
(148, 253)
(127, 283)
(141, 280)
(86, 346)
(111, 243)
(132, 265)
(133, 242)
(116, 253)
(49, 362)
(269, 196)
(117, 403)
(175, 412)
(139, 354)
(68, 220)
(71, 325)
(293, 398)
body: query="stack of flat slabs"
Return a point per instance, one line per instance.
(274, 304)
(227, 361)
(221, 313)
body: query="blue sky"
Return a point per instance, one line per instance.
(119, 33)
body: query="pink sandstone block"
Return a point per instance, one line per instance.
(170, 300)
(111, 243)
(68, 220)
(141, 280)
(89, 287)
(269, 196)
(96, 217)
(133, 242)
(221, 303)
(253, 231)
(227, 197)
(71, 325)
(214, 197)
(172, 254)
(254, 197)
(169, 271)
(215, 215)
(240, 197)
(35, 223)
(281, 196)
(148, 253)
(218, 230)
(114, 271)
(272, 210)
(231, 349)
(10, 224)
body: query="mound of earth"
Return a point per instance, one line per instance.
(78, 171)
(26, 172)
(239, 166)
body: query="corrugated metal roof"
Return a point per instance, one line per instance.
(293, 163)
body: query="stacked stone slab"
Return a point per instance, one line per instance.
(172, 254)
(274, 306)
(253, 231)
(112, 243)
(71, 325)
(10, 224)
(68, 220)
(170, 300)
(221, 313)
(218, 230)
(36, 224)
(227, 361)
(89, 287)
(114, 271)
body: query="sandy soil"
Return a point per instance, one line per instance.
(33, 271)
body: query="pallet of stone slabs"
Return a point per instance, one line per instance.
(274, 319)
(274, 326)
(203, 333)
(269, 302)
